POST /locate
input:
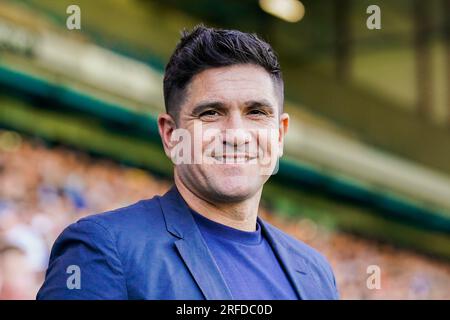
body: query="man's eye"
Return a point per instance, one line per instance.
(256, 112)
(209, 113)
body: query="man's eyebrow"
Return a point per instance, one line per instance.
(218, 105)
(202, 106)
(259, 103)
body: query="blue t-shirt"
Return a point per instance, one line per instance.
(248, 265)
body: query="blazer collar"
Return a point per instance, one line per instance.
(294, 265)
(192, 247)
(201, 264)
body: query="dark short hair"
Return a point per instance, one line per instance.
(204, 48)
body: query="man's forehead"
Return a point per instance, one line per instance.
(231, 74)
(233, 84)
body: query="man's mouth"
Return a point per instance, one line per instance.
(234, 158)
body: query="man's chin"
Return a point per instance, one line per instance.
(234, 189)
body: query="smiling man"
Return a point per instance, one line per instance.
(224, 130)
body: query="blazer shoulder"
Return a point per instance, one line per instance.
(298, 246)
(133, 230)
(136, 216)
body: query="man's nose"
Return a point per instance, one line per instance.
(236, 134)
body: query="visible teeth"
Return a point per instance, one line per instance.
(232, 159)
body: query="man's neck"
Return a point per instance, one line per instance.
(239, 215)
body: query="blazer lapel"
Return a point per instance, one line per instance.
(192, 247)
(296, 267)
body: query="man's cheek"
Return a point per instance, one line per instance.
(268, 151)
(212, 145)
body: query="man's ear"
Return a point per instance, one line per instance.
(166, 126)
(283, 128)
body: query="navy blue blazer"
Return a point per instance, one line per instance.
(153, 249)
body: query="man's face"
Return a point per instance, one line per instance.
(232, 117)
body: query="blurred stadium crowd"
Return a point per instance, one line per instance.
(44, 187)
